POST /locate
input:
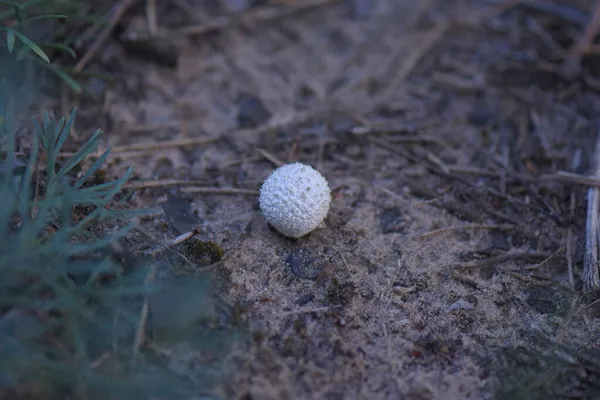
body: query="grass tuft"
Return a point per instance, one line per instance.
(72, 320)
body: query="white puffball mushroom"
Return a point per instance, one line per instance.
(295, 199)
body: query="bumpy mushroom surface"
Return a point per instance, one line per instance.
(295, 199)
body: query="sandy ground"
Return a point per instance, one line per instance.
(444, 241)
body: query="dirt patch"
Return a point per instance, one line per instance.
(445, 237)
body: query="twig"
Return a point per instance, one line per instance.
(462, 228)
(464, 279)
(436, 170)
(179, 239)
(100, 360)
(162, 145)
(273, 159)
(502, 258)
(527, 279)
(222, 191)
(550, 257)
(590, 277)
(457, 83)
(540, 131)
(411, 61)
(387, 191)
(162, 183)
(459, 169)
(151, 16)
(141, 128)
(415, 139)
(591, 280)
(139, 334)
(393, 149)
(182, 182)
(101, 38)
(307, 310)
(569, 251)
(438, 162)
(252, 16)
(141, 149)
(571, 177)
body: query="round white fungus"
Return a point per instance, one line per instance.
(295, 199)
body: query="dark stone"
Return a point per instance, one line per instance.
(251, 111)
(391, 221)
(301, 262)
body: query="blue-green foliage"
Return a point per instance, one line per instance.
(19, 21)
(70, 309)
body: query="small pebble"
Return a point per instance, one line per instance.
(461, 304)
(305, 299)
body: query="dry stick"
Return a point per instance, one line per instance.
(505, 227)
(223, 191)
(151, 16)
(559, 176)
(550, 257)
(590, 277)
(141, 128)
(163, 145)
(591, 280)
(563, 176)
(88, 34)
(459, 169)
(408, 65)
(416, 139)
(436, 170)
(527, 257)
(527, 279)
(182, 182)
(101, 38)
(411, 62)
(307, 310)
(464, 279)
(179, 239)
(100, 360)
(569, 250)
(437, 162)
(366, 127)
(270, 157)
(258, 15)
(139, 334)
(162, 183)
(141, 149)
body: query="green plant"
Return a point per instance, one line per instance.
(71, 310)
(19, 25)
